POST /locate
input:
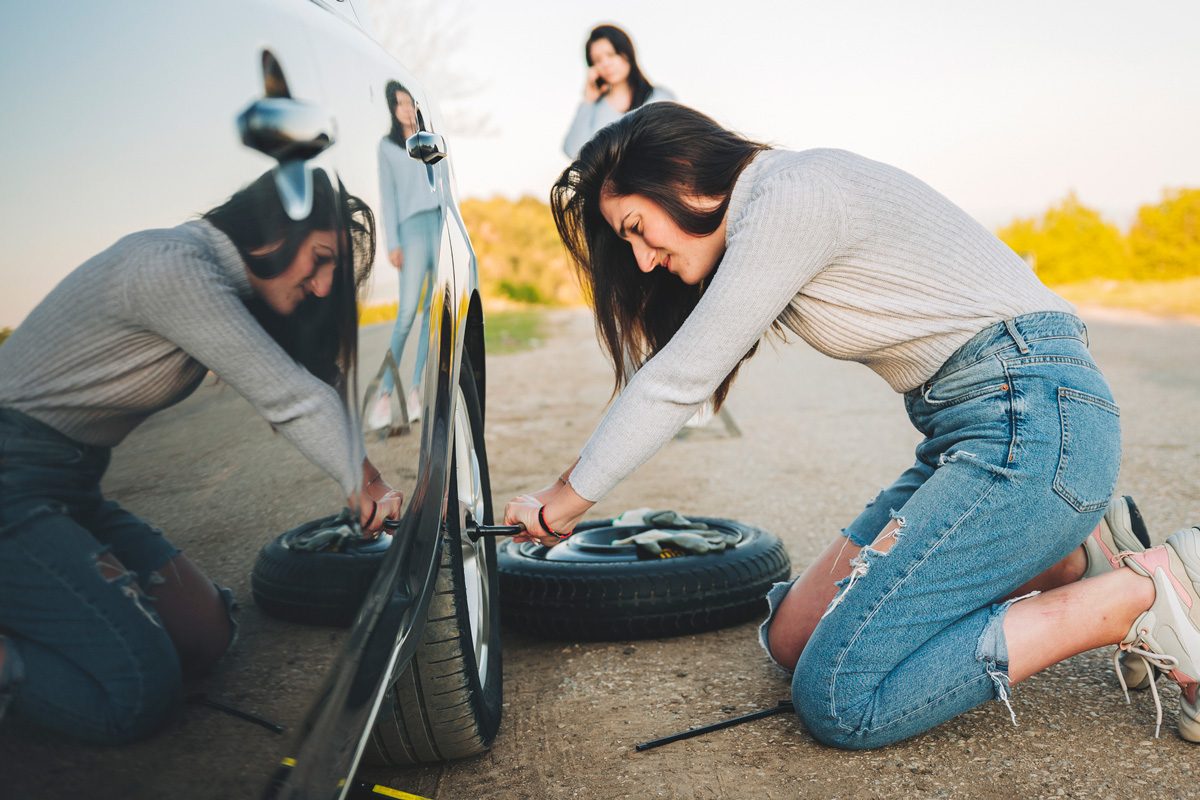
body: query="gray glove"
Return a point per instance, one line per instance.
(699, 542)
(332, 535)
(657, 519)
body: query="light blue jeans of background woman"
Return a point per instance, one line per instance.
(1020, 457)
(419, 238)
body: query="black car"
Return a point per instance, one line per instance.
(122, 117)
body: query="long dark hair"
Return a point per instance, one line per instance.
(623, 45)
(396, 134)
(664, 152)
(322, 333)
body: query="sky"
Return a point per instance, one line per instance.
(1003, 107)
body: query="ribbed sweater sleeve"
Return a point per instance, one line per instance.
(787, 230)
(179, 296)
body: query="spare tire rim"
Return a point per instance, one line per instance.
(474, 556)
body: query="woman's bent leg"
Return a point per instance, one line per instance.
(419, 245)
(430, 224)
(196, 613)
(913, 639)
(794, 615)
(97, 661)
(1026, 441)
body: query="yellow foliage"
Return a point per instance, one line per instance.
(1072, 242)
(379, 312)
(519, 254)
(1165, 239)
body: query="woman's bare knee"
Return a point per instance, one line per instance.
(801, 609)
(194, 614)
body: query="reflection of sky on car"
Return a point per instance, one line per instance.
(153, 124)
(1003, 107)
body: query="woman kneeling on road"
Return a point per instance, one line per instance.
(100, 616)
(695, 242)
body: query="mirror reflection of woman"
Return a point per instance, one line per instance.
(614, 86)
(101, 617)
(412, 224)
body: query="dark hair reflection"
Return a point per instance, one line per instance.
(398, 134)
(322, 334)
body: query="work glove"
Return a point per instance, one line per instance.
(699, 542)
(657, 519)
(328, 533)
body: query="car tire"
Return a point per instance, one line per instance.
(446, 703)
(315, 587)
(588, 588)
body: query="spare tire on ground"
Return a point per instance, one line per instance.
(321, 587)
(589, 588)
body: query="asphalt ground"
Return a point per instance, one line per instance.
(820, 438)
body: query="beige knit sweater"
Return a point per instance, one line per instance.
(881, 269)
(135, 328)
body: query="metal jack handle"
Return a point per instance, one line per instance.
(785, 706)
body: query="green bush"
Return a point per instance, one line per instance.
(4, 334)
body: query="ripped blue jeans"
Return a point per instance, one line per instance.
(1020, 457)
(94, 659)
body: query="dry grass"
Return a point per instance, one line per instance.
(380, 312)
(508, 327)
(1178, 299)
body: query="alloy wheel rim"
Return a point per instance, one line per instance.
(474, 559)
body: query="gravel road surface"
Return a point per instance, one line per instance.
(820, 438)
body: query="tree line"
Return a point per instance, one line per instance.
(1072, 242)
(521, 259)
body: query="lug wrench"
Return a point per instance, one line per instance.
(474, 530)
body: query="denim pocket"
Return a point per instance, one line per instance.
(1090, 456)
(984, 377)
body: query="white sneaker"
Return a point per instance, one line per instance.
(380, 415)
(414, 404)
(1121, 531)
(1167, 635)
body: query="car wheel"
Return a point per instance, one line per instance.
(446, 702)
(589, 588)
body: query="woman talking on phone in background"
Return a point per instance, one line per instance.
(615, 86)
